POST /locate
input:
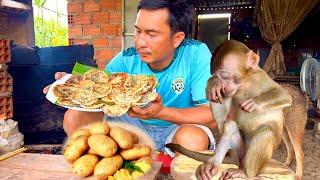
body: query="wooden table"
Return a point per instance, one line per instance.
(184, 168)
(47, 166)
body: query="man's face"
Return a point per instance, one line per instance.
(152, 37)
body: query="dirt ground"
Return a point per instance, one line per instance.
(311, 148)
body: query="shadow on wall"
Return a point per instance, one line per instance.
(32, 69)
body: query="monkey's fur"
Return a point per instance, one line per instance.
(258, 104)
(294, 127)
(255, 135)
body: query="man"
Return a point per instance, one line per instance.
(182, 68)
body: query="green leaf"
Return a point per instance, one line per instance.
(80, 69)
(131, 166)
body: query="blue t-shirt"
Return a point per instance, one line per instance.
(182, 84)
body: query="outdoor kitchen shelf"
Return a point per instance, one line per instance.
(13, 7)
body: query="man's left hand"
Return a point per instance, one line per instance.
(149, 112)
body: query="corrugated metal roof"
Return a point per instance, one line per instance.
(220, 3)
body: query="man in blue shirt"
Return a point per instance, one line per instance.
(181, 113)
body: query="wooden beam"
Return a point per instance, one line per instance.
(14, 5)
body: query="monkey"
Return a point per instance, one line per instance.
(241, 88)
(294, 127)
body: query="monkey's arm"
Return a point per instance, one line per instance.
(274, 98)
(220, 112)
(214, 89)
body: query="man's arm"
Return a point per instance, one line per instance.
(195, 115)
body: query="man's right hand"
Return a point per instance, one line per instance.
(57, 75)
(214, 90)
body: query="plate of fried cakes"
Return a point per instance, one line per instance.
(97, 90)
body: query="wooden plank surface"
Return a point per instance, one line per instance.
(47, 166)
(183, 167)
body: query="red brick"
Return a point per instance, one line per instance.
(118, 4)
(119, 30)
(6, 108)
(91, 6)
(116, 42)
(75, 31)
(83, 19)
(74, 7)
(91, 30)
(109, 29)
(70, 19)
(2, 51)
(102, 64)
(108, 4)
(81, 41)
(99, 18)
(104, 54)
(115, 17)
(116, 51)
(71, 41)
(101, 42)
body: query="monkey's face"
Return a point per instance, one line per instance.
(231, 74)
(230, 85)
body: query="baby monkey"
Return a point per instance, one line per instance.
(241, 89)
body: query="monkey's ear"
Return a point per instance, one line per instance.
(253, 60)
(178, 37)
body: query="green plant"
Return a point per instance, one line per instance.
(50, 33)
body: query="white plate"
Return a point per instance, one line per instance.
(52, 98)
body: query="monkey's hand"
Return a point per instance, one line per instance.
(214, 90)
(249, 105)
(206, 171)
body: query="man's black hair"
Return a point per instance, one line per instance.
(179, 13)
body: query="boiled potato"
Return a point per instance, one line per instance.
(145, 159)
(135, 138)
(75, 148)
(84, 166)
(79, 133)
(90, 151)
(108, 166)
(111, 178)
(122, 137)
(145, 167)
(103, 145)
(99, 127)
(136, 152)
(136, 174)
(122, 174)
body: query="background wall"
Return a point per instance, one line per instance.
(96, 22)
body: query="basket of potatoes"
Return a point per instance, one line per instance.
(107, 152)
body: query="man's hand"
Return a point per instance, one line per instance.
(206, 171)
(214, 90)
(149, 112)
(57, 75)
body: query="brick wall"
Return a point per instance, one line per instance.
(96, 22)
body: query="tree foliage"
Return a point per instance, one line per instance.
(50, 33)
